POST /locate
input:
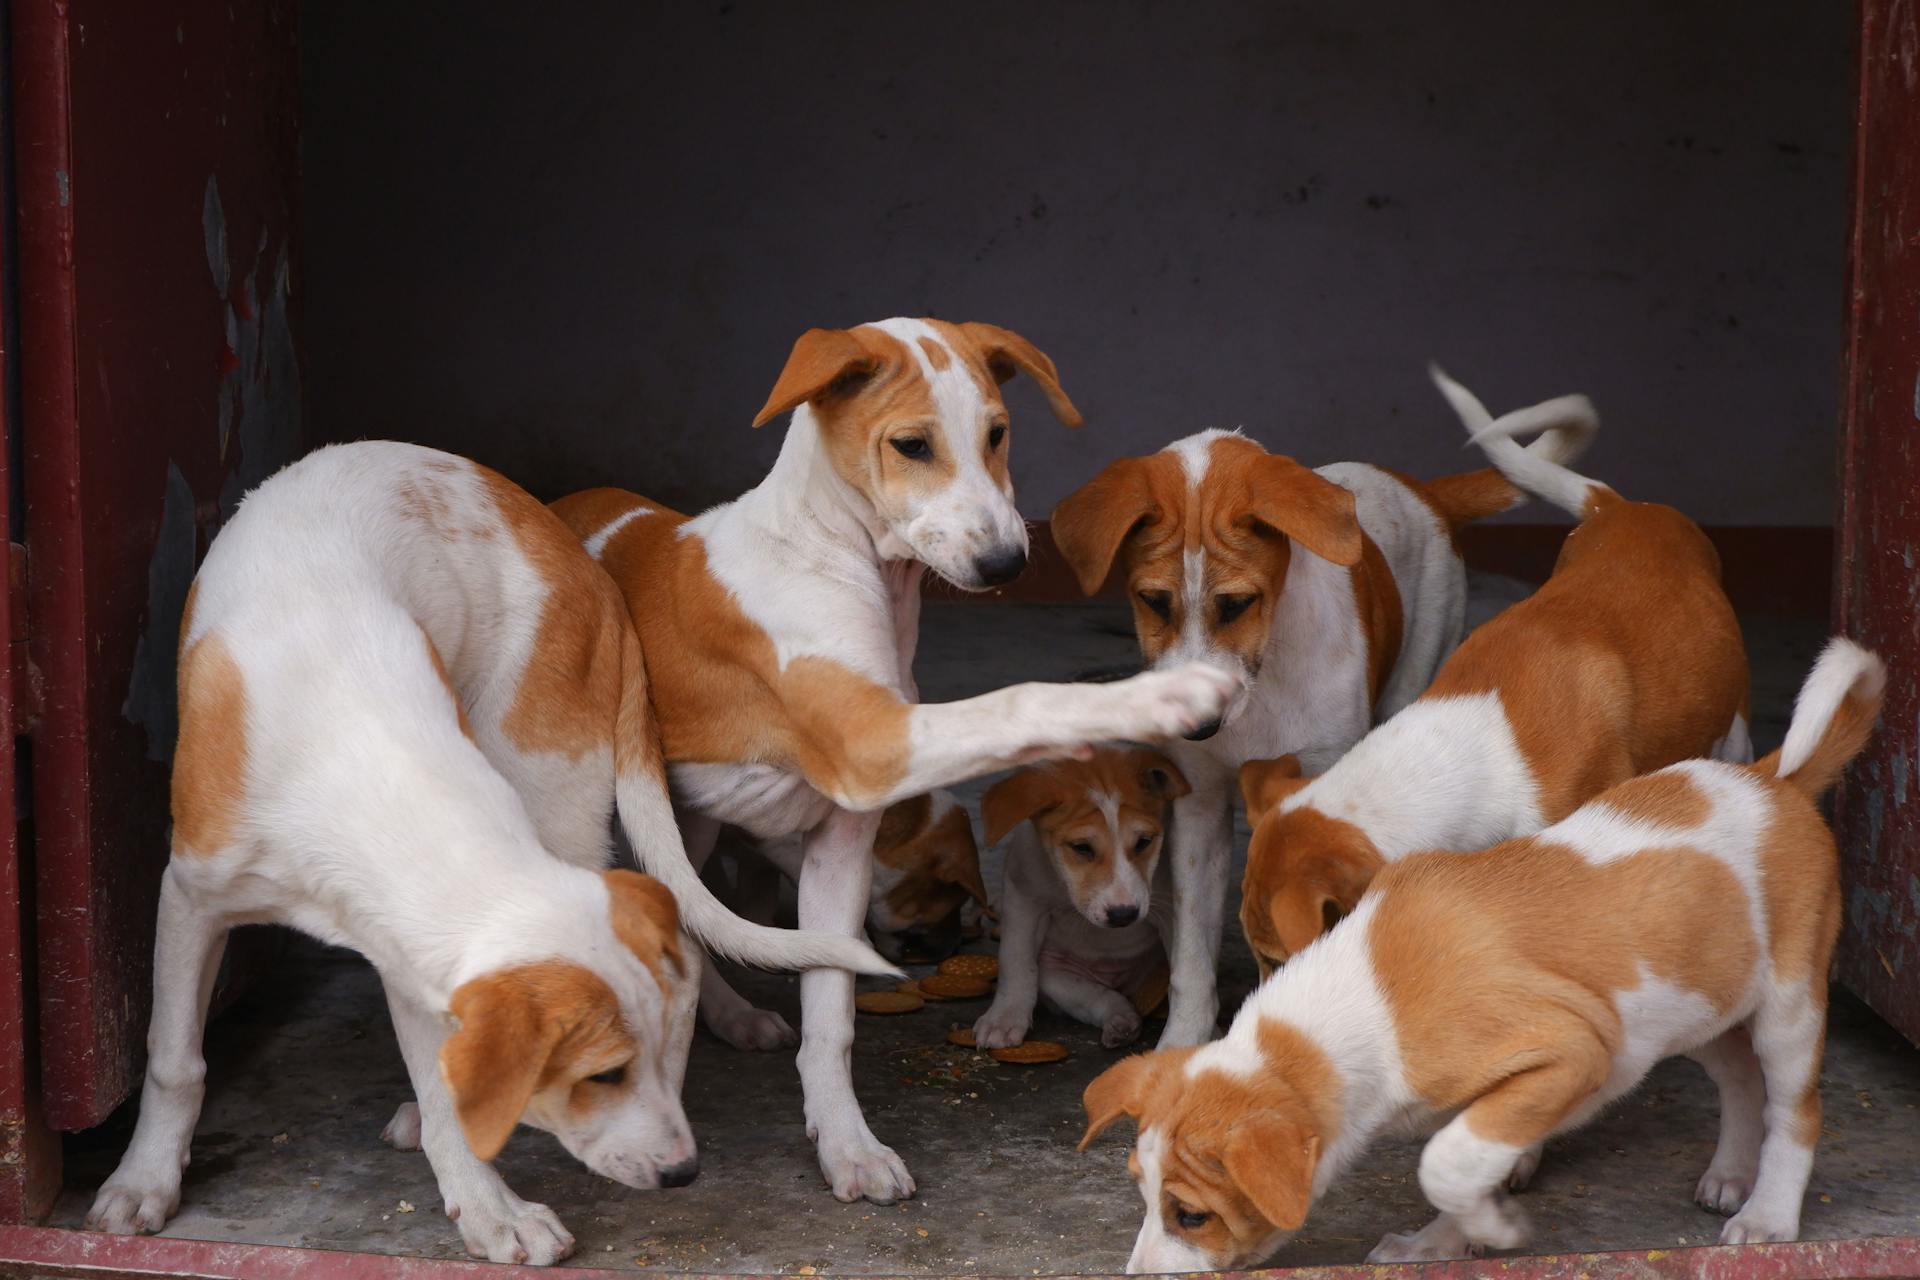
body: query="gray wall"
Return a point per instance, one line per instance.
(578, 247)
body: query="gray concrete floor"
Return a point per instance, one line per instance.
(303, 1076)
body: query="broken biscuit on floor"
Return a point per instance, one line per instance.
(1031, 1052)
(953, 986)
(962, 1036)
(887, 1002)
(986, 968)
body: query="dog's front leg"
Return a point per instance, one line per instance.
(494, 1223)
(1023, 923)
(1202, 854)
(834, 880)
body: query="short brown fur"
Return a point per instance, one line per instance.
(210, 762)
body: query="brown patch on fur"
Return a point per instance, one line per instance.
(1459, 500)
(1377, 598)
(446, 682)
(1519, 1023)
(937, 858)
(717, 687)
(646, 919)
(210, 760)
(523, 1031)
(1627, 660)
(1664, 799)
(936, 354)
(1305, 872)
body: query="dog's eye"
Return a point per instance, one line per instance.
(1191, 1219)
(1141, 845)
(914, 447)
(612, 1075)
(1232, 607)
(1082, 849)
(1161, 602)
(995, 434)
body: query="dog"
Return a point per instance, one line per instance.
(1628, 659)
(1335, 593)
(410, 705)
(780, 630)
(1506, 995)
(1085, 899)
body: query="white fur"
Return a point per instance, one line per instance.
(1844, 670)
(1541, 469)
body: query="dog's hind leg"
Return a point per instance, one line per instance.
(1788, 1030)
(1731, 1062)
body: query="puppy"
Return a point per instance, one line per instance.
(409, 707)
(1507, 995)
(1085, 902)
(1334, 592)
(1628, 659)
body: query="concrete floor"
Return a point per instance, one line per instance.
(303, 1076)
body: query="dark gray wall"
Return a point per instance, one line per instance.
(576, 241)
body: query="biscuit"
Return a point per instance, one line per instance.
(962, 1036)
(1031, 1052)
(887, 1002)
(971, 966)
(950, 986)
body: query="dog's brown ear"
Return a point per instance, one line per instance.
(1120, 1090)
(1265, 783)
(1312, 510)
(1272, 1160)
(1092, 523)
(493, 1063)
(645, 917)
(1012, 800)
(1007, 353)
(823, 362)
(1161, 777)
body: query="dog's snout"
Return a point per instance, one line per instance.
(680, 1175)
(1001, 566)
(1121, 916)
(1205, 731)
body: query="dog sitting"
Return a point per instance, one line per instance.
(1628, 659)
(1510, 994)
(409, 707)
(1334, 592)
(1084, 905)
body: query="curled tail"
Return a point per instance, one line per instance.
(1568, 424)
(1832, 718)
(646, 815)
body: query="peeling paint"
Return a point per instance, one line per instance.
(1900, 769)
(263, 390)
(150, 693)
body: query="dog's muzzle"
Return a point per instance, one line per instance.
(998, 568)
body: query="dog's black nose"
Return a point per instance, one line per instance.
(1204, 732)
(1119, 916)
(681, 1174)
(998, 568)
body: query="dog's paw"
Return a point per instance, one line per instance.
(1496, 1223)
(862, 1167)
(1438, 1241)
(1751, 1227)
(504, 1228)
(1520, 1177)
(999, 1028)
(1121, 1027)
(128, 1207)
(752, 1029)
(1173, 704)
(403, 1131)
(1722, 1192)
(1184, 1029)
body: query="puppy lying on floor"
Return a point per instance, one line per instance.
(1085, 903)
(1510, 994)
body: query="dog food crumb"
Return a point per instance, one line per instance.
(404, 1207)
(887, 1002)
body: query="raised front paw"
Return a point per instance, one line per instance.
(403, 1131)
(501, 1227)
(1173, 704)
(135, 1203)
(752, 1029)
(1001, 1028)
(860, 1166)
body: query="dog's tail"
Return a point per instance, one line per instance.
(1568, 424)
(646, 815)
(1832, 718)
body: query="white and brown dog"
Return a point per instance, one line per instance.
(780, 630)
(1084, 904)
(1335, 593)
(409, 706)
(1510, 994)
(1627, 660)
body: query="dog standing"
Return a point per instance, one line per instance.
(409, 706)
(780, 630)
(1084, 906)
(1511, 994)
(1628, 659)
(1335, 593)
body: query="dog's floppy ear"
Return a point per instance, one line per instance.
(1272, 1160)
(1265, 783)
(1161, 777)
(1007, 353)
(1119, 1090)
(1092, 522)
(1312, 510)
(1012, 800)
(645, 917)
(493, 1063)
(823, 361)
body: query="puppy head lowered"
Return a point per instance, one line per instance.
(1206, 530)
(910, 418)
(1101, 820)
(594, 1053)
(926, 867)
(1225, 1160)
(1306, 869)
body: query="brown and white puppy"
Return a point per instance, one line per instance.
(1504, 996)
(780, 630)
(1085, 902)
(1628, 659)
(1335, 592)
(410, 708)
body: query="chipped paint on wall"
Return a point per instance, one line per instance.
(261, 391)
(151, 693)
